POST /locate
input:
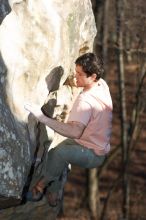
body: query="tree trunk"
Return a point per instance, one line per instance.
(94, 200)
(121, 75)
(105, 35)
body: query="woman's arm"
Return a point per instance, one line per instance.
(70, 129)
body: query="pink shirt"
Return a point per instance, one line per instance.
(93, 108)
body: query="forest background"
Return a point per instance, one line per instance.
(120, 182)
(121, 41)
(117, 190)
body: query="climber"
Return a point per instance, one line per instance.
(88, 129)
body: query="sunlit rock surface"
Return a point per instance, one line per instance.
(37, 38)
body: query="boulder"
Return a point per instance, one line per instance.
(39, 41)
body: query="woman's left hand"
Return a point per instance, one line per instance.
(34, 109)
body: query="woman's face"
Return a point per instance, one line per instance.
(82, 80)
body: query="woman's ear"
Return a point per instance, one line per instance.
(94, 76)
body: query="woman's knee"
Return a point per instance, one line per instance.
(56, 152)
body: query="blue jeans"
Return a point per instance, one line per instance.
(65, 153)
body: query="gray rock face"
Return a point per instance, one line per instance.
(4, 9)
(14, 145)
(37, 38)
